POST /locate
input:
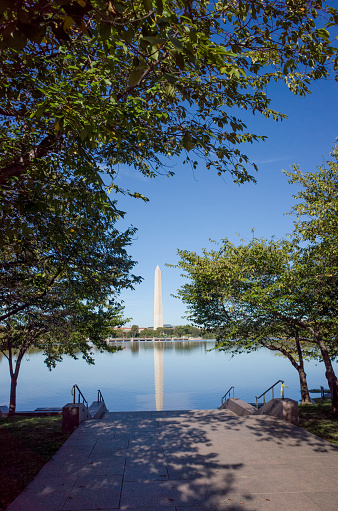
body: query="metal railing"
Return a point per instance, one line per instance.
(228, 392)
(273, 394)
(99, 396)
(75, 389)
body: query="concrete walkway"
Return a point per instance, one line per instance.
(187, 460)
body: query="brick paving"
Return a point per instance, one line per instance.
(194, 460)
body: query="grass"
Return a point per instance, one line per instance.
(318, 419)
(26, 444)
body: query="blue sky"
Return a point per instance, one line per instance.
(187, 209)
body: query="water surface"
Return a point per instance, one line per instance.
(156, 375)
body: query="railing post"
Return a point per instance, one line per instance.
(223, 398)
(272, 388)
(80, 395)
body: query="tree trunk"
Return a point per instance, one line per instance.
(12, 397)
(330, 376)
(14, 377)
(304, 390)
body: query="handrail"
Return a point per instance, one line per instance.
(228, 392)
(273, 394)
(99, 396)
(80, 395)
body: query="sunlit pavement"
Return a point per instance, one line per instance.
(187, 460)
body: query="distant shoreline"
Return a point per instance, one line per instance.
(156, 339)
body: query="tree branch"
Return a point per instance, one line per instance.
(30, 302)
(6, 112)
(17, 168)
(284, 352)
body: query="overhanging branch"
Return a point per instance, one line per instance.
(16, 168)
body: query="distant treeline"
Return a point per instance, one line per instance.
(177, 331)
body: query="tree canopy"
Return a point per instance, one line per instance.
(88, 85)
(317, 228)
(62, 267)
(276, 293)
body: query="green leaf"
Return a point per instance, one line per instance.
(177, 43)
(148, 6)
(159, 7)
(17, 40)
(170, 90)
(134, 77)
(187, 142)
(324, 34)
(170, 77)
(154, 40)
(179, 60)
(105, 31)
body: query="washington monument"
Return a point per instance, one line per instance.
(158, 311)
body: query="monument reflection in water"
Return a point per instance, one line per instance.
(158, 370)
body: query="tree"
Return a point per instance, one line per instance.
(116, 332)
(61, 273)
(62, 326)
(42, 239)
(221, 297)
(186, 330)
(86, 86)
(317, 226)
(276, 293)
(147, 332)
(134, 331)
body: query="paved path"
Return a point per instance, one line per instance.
(187, 461)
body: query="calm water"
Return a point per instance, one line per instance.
(156, 375)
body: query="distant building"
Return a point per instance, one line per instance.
(128, 328)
